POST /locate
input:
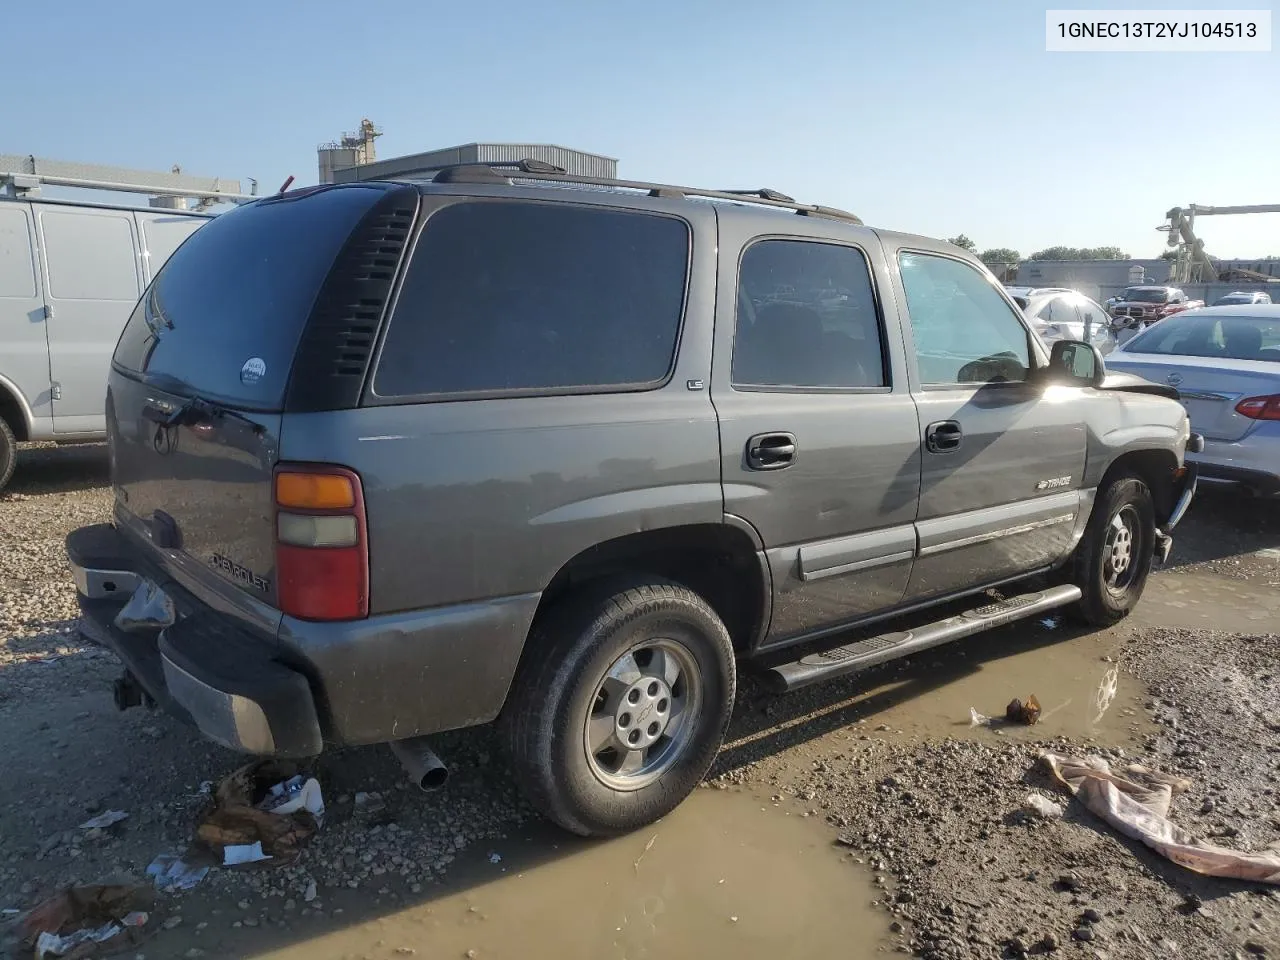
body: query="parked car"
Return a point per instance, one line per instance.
(1139, 307)
(70, 274)
(1225, 363)
(1239, 297)
(1021, 295)
(1069, 316)
(396, 458)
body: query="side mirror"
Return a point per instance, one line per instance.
(1077, 362)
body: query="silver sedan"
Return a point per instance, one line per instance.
(1058, 314)
(1225, 363)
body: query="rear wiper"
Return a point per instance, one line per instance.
(196, 409)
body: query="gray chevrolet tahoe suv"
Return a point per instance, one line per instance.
(395, 458)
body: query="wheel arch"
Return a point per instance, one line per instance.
(721, 562)
(1157, 468)
(14, 410)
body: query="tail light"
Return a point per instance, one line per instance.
(1260, 408)
(322, 547)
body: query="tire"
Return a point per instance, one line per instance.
(8, 453)
(581, 774)
(1112, 575)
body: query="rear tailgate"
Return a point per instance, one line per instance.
(1209, 388)
(202, 375)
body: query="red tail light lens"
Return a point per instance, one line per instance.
(1260, 408)
(322, 550)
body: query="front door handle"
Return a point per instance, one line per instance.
(771, 451)
(943, 436)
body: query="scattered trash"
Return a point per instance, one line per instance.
(309, 894)
(103, 820)
(268, 803)
(1042, 806)
(647, 847)
(82, 921)
(293, 795)
(495, 858)
(1137, 804)
(172, 873)
(1025, 713)
(977, 719)
(1050, 623)
(237, 853)
(1106, 692)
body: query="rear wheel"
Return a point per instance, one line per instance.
(1114, 557)
(8, 453)
(620, 706)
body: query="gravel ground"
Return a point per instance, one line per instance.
(969, 871)
(938, 821)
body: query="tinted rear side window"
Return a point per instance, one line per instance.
(512, 296)
(224, 316)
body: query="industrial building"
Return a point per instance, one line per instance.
(354, 157)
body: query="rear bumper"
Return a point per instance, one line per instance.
(387, 677)
(1253, 462)
(202, 669)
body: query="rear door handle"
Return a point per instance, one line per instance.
(943, 436)
(771, 451)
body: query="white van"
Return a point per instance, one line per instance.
(70, 275)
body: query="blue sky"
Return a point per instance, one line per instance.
(930, 117)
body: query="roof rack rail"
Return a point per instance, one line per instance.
(24, 175)
(539, 170)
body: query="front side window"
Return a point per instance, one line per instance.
(964, 331)
(806, 317)
(520, 296)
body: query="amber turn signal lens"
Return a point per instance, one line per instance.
(315, 491)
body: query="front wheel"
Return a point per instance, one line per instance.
(620, 706)
(1114, 557)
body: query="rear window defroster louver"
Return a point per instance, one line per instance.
(333, 357)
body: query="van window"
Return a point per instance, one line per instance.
(224, 316)
(90, 256)
(524, 296)
(17, 272)
(806, 317)
(163, 235)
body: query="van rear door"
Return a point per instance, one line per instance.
(93, 272)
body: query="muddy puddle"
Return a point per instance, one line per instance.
(1204, 601)
(726, 874)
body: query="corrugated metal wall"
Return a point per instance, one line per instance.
(574, 161)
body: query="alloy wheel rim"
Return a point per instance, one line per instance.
(643, 715)
(1121, 550)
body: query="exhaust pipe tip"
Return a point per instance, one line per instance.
(425, 769)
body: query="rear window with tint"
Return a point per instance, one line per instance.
(513, 296)
(224, 317)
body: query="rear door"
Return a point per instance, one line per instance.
(94, 277)
(222, 322)
(24, 351)
(1002, 459)
(818, 431)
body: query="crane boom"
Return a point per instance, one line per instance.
(1192, 264)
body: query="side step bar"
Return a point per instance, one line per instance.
(889, 646)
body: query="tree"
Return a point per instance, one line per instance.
(1000, 255)
(1080, 253)
(964, 243)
